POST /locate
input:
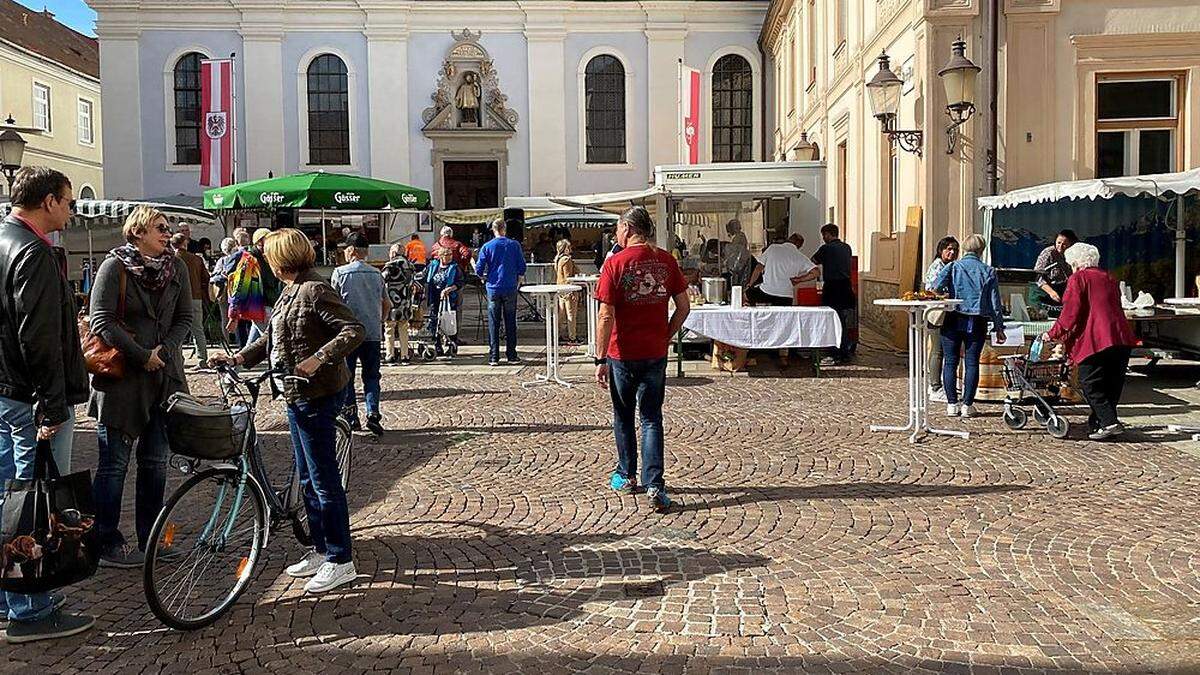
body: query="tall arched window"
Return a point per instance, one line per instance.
(187, 109)
(604, 102)
(86, 192)
(328, 112)
(733, 110)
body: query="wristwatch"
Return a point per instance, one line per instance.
(602, 361)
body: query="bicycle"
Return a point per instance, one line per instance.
(209, 537)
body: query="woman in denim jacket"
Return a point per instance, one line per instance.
(974, 282)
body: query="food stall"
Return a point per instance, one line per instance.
(1146, 228)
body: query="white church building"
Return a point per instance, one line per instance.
(473, 100)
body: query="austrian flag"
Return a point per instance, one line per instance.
(216, 123)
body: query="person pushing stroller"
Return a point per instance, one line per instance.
(443, 279)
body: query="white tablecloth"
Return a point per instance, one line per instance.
(767, 327)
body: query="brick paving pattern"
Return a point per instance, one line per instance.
(488, 541)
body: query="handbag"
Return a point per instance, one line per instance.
(447, 319)
(48, 532)
(100, 357)
(937, 317)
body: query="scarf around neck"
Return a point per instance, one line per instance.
(152, 273)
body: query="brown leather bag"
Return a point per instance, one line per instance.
(102, 358)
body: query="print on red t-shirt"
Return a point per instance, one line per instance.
(638, 282)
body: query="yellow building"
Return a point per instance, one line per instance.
(50, 81)
(1084, 88)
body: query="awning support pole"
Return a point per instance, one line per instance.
(1180, 249)
(324, 239)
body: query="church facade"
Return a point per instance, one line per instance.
(474, 100)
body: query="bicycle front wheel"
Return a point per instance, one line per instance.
(207, 541)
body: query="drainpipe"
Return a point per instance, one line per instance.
(762, 68)
(991, 47)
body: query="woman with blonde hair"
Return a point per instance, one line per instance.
(564, 269)
(310, 334)
(142, 305)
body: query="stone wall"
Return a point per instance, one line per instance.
(876, 317)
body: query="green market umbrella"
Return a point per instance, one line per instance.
(317, 190)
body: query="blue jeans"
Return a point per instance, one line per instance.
(313, 441)
(640, 386)
(368, 354)
(108, 487)
(18, 441)
(969, 334)
(502, 307)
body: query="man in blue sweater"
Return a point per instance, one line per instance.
(501, 264)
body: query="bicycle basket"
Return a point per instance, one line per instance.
(207, 431)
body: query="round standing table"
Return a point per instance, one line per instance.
(589, 282)
(918, 399)
(1184, 303)
(548, 295)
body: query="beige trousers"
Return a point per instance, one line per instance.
(568, 308)
(395, 331)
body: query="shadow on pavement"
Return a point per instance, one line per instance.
(746, 495)
(433, 392)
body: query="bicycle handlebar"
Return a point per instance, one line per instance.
(233, 374)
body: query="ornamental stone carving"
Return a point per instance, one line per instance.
(467, 95)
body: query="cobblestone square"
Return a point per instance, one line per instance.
(487, 541)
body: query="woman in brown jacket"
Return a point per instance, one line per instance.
(310, 333)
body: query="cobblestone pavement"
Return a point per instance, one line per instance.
(487, 541)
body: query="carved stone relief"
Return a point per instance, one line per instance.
(467, 95)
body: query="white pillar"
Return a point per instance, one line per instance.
(121, 101)
(262, 130)
(664, 50)
(387, 87)
(547, 112)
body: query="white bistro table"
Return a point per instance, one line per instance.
(799, 327)
(548, 295)
(918, 402)
(1194, 304)
(589, 282)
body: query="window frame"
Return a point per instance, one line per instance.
(327, 68)
(48, 128)
(586, 58)
(306, 163)
(748, 111)
(80, 102)
(170, 155)
(1134, 126)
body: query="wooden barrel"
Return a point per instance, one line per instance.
(991, 371)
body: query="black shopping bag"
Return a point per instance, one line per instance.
(48, 531)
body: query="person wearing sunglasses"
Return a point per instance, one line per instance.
(148, 324)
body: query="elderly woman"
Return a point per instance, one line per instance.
(947, 252)
(142, 305)
(310, 334)
(1097, 337)
(400, 278)
(564, 269)
(966, 328)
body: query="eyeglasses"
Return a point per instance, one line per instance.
(165, 229)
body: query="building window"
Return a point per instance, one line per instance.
(604, 103)
(187, 109)
(733, 110)
(1137, 126)
(792, 72)
(328, 112)
(41, 106)
(812, 41)
(87, 192)
(85, 131)
(841, 23)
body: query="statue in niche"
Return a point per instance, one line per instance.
(467, 99)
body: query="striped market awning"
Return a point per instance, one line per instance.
(119, 209)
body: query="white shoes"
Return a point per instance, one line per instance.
(307, 567)
(937, 395)
(330, 576)
(969, 411)
(952, 410)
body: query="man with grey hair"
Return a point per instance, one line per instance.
(501, 264)
(363, 290)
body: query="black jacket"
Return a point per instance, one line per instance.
(41, 361)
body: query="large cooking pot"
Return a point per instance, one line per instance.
(714, 289)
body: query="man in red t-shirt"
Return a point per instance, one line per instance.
(632, 336)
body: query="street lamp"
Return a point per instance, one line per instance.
(884, 93)
(958, 77)
(12, 152)
(805, 151)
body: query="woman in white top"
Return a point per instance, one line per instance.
(947, 252)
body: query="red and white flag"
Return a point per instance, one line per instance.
(216, 120)
(689, 97)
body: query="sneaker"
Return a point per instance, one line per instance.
(952, 410)
(406, 361)
(969, 411)
(122, 557)
(659, 499)
(58, 625)
(308, 566)
(1107, 432)
(330, 576)
(493, 362)
(373, 425)
(622, 484)
(937, 395)
(515, 362)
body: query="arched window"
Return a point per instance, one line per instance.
(87, 192)
(187, 109)
(328, 112)
(604, 102)
(733, 110)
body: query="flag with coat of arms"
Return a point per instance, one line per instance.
(216, 123)
(689, 112)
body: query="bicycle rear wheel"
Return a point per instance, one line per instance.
(206, 544)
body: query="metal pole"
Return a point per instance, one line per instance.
(1180, 250)
(233, 116)
(991, 47)
(324, 238)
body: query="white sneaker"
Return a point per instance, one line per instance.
(330, 576)
(952, 410)
(969, 411)
(937, 395)
(308, 566)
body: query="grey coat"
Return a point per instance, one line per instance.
(124, 404)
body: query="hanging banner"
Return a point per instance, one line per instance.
(689, 99)
(216, 122)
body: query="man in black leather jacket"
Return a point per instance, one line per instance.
(42, 372)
